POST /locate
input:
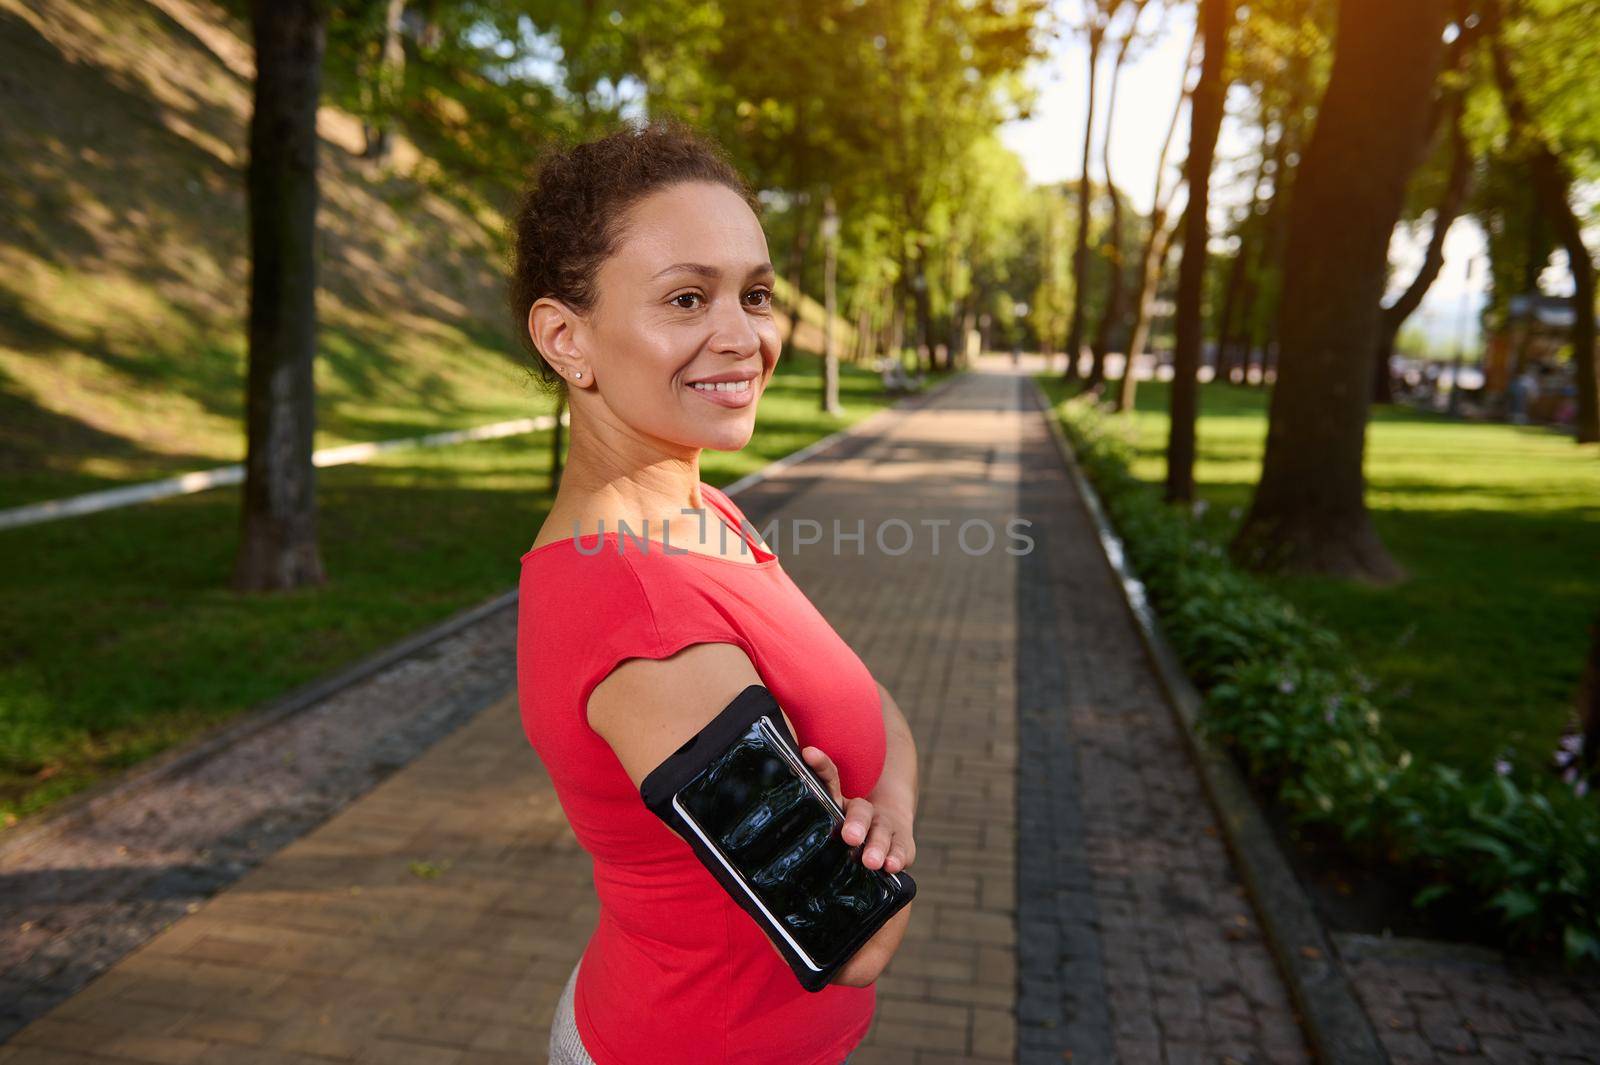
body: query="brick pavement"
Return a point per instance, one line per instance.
(1145, 948)
(1432, 1002)
(76, 901)
(1105, 919)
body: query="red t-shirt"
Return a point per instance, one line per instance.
(676, 972)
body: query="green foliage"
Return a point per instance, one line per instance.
(120, 649)
(1283, 694)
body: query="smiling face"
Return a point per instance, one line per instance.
(686, 297)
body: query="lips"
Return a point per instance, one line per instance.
(733, 394)
(729, 376)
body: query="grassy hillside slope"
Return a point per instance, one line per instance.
(124, 270)
(122, 306)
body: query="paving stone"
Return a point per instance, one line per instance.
(1079, 904)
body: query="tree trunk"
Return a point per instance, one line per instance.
(1444, 215)
(1449, 103)
(1248, 314)
(897, 320)
(1155, 256)
(1255, 264)
(1309, 510)
(1238, 269)
(1205, 120)
(387, 84)
(1233, 288)
(1080, 253)
(1155, 252)
(1111, 316)
(830, 354)
(432, 34)
(923, 306)
(1276, 223)
(797, 265)
(1553, 182)
(278, 532)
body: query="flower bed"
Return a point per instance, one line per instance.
(1285, 697)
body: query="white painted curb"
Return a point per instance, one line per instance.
(201, 480)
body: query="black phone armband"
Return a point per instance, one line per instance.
(766, 827)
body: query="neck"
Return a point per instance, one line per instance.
(626, 480)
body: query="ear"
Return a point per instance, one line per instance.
(554, 328)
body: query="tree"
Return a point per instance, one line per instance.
(1552, 181)
(879, 104)
(1111, 315)
(1452, 199)
(1235, 294)
(1099, 14)
(278, 534)
(1308, 512)
(1155, 248)
(385, 84)
(1448, 111)
(1282, 50)
(1205, 112)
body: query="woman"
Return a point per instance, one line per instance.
(644, 279)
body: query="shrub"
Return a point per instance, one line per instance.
(1283, 694)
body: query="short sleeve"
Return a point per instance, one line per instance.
(582, 615)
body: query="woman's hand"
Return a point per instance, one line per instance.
(886, 830)
(868, 963)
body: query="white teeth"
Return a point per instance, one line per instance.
(724, 386)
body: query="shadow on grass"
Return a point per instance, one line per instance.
(120, 635)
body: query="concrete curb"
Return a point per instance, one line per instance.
(83, 807)
(204, 480)
(1335, 1025)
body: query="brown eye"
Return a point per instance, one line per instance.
(765, 294)
(685, 296)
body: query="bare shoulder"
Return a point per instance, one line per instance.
(646, 708)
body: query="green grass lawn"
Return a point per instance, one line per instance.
(1480, 651)
(121, 636)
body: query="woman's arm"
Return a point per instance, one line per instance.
(889, 808)
(897, 785)
(881, 820)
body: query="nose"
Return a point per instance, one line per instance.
(732, 332)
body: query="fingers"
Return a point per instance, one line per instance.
(882, 847)
(826, 771)
(857, 821)
(878, 846)
(887, 849)
(902, 852)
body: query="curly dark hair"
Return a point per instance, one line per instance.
(569, 215)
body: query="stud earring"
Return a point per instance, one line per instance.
(578, 374)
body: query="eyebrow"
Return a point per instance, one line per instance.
(711, 271)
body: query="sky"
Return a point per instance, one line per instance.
(1050, 144)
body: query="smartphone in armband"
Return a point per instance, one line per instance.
(766, 827)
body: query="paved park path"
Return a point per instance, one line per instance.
(1076, 902)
